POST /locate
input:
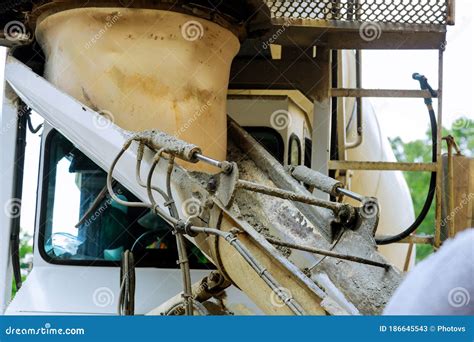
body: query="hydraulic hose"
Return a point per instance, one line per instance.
(17, 192)
(432, 188)
(126, 305)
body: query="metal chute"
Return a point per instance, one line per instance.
(316, 284)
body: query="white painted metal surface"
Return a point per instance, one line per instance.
(54, 289)
(80, 125)
(57, 289)
(81, 290)
(8, 139)
(83, 127)
(321, 138)
(280, 113)
(390, 188)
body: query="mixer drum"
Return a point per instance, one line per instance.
(145, 69)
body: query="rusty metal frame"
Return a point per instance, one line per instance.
(399, 93)
(337, 35)
(342, 164)
(436, 240)
(451, 145)
(451, 20)
(298, 34)
(382, 166)
(439, 175)
(417, 239)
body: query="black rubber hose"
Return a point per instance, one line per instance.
(20, 150)
(432, 189)
(126, 305)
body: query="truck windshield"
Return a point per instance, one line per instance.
(82, 224)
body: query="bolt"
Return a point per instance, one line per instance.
(226, 167)
(212, 185)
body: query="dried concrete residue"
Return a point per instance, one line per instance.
(367, 287)
(274, 211)
(201, 177)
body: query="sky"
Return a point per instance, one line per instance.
(406, 118)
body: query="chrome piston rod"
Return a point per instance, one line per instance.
(324, 183)
(191, 153)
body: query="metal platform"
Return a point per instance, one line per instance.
(362, 24)
(435, 12)
(335, 24)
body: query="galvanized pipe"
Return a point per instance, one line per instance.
(359, 111)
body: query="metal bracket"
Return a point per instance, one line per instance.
(227, 185)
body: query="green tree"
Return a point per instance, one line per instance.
(26, 252)
(418, 182)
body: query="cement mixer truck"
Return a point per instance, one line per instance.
(207, 158)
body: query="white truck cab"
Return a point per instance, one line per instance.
(81, 233)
